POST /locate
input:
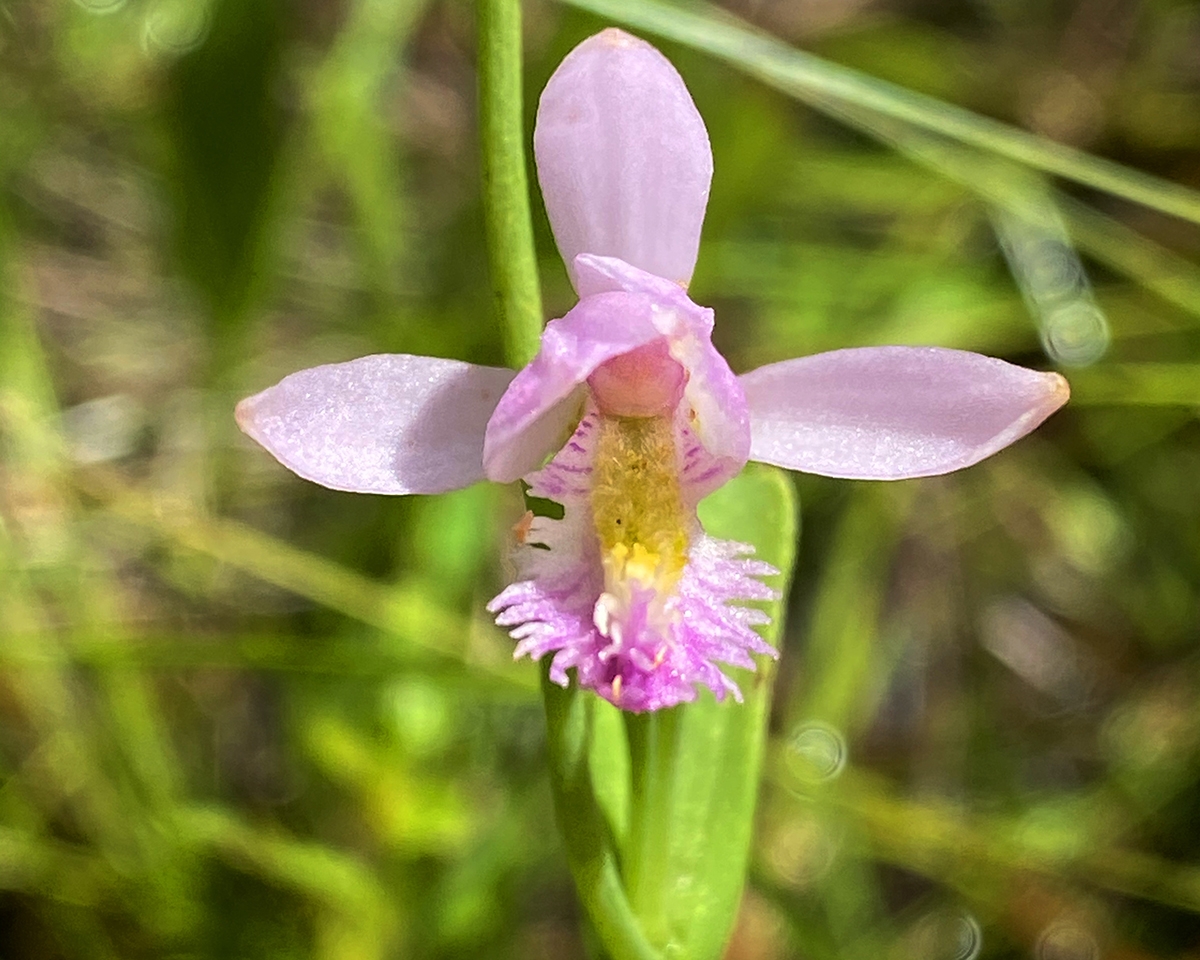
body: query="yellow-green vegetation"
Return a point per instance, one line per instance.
(242, 716)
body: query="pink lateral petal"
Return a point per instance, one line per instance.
(623, 158)
(889, 413)
(390, 423)
(542, 404)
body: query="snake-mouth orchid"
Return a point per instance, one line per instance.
(628, 416)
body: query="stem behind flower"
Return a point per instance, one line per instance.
(511, 255)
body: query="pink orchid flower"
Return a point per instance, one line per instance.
(639, 415)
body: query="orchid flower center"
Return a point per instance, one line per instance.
(645, 382)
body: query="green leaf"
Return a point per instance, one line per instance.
(1008, 187)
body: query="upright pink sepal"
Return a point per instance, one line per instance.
(889, 413)
(623, 158)
(389, 423)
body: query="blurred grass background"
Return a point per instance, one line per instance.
(244, 716)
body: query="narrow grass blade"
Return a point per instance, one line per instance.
(824, 85)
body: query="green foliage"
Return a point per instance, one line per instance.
(227, 126)
(241, 716)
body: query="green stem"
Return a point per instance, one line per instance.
(586, 834)
(511, 255)
(652, 756)
(590, 847)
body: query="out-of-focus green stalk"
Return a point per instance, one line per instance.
(511, 256)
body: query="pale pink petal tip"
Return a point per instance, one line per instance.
(890, 413)
(389, 423)
(623, 158)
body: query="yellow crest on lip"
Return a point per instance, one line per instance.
(637, 503)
